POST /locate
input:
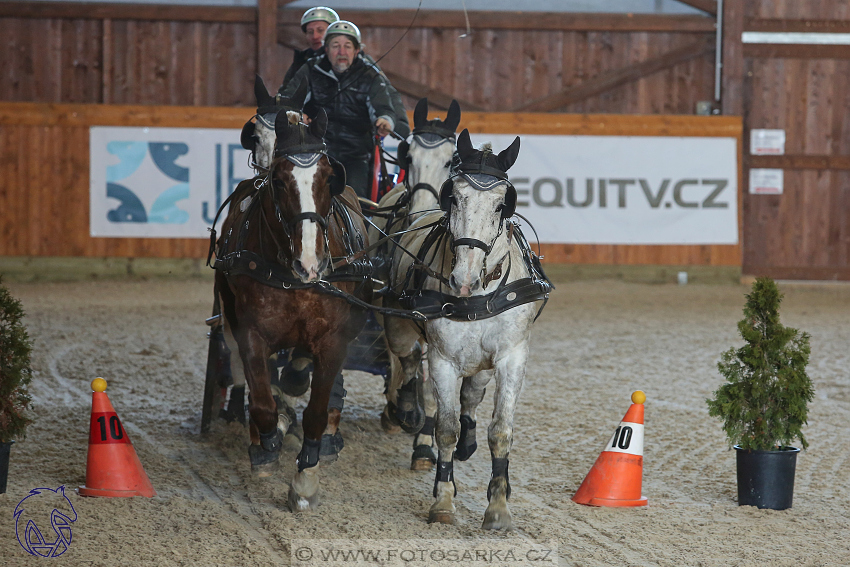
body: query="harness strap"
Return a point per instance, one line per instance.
(434, 304)
(395, 243)
(309, 216)
(472, 243)
(215, 221)
(425, 187)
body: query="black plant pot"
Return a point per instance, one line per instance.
(766, 478)
(4, 465)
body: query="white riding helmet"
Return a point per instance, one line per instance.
(318, 14)
(343, 27)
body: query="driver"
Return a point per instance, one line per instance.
(357, 98)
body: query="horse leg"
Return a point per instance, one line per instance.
(510, 373)
(424, 458)
(471, 393)
(444, 376)
(327, 362)
(266, 436)
(332, 442)
(391, 383)
(404, 405)
(287, 421)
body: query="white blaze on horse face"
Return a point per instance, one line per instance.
(429, 166)
(309, 257)
(474, 215)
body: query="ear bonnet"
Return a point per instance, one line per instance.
(483, 170)
(303, 146)
(429, 133)
(267, 107)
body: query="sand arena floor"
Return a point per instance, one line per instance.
(596, 342)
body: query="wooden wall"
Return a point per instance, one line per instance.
(516, 62)
(805, 90)
(177, 55)
(44, 168)
(118, 57)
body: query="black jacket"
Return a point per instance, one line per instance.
(299, 57)
(353, 102)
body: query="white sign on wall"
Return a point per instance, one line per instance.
(765, 142)
(626, 189)
(766, 181)
(169, 182)
(161, 182)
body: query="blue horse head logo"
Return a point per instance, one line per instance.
(36, 505)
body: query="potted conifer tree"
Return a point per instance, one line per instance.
(15, 375)
(764, 402)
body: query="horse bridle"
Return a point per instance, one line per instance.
(444, 137)
(303, 156)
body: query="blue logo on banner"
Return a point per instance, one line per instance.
(131, 155)
(30, 536)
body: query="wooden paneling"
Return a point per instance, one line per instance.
(186, 55)
(804, 233)
(500, 70)
(796, 51)
(128, 61)
(44, 160)
(506, 20)
(798, 161)
(152, 12)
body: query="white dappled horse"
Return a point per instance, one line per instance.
(477, 259)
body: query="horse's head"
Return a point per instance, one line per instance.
(477, 199)
(258, 134)
(304, 180)
(428, 155)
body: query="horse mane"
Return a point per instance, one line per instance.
(293, 117)
(486, 147)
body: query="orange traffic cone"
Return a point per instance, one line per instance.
(615, 478)
(112, 468)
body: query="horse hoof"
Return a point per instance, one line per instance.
(497, 520)
(298, 503)
(295, 382)
(409, 413)
(423, 458)
(387, 423)
(441, 517)
(263, 463)
(421, 464)
(331, 446)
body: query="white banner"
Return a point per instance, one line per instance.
(626, 189)
(169, 183)
(161, 182)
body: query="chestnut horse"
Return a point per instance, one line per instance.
(275, 255)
